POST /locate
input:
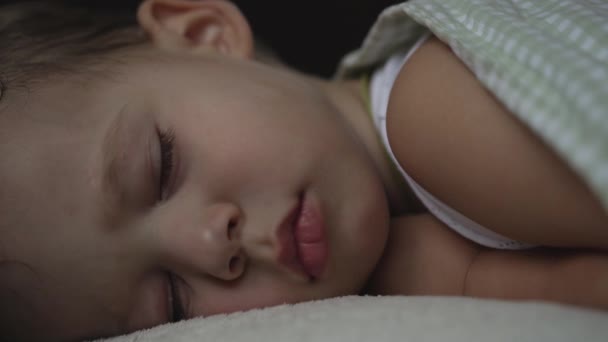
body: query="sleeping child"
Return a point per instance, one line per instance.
(157, 171)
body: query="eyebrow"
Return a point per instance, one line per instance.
(113, 194)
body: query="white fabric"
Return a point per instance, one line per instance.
(381, 84)
(389, 319)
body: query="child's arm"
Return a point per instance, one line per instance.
(424, 257)
(463, 146)
(570, 277)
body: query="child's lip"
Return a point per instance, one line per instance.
(302, 242)
(287, 251)
(310, 237)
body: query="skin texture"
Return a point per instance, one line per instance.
(501, 175)
(455, 266)
(83, 258)
(94, 247)
(441, 118)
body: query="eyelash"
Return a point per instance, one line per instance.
(166, 143)
(178, 309)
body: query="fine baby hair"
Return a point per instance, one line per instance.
(40, 39)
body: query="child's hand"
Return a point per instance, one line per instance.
(424, 257)
(564, 276)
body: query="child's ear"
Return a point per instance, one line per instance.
(185, 25)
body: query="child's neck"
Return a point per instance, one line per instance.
(348, 98)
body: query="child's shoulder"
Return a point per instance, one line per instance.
(462, 145)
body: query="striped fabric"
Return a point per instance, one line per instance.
(545, 60)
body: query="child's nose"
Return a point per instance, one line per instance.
(220, 246)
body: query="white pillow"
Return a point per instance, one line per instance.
(392, 318)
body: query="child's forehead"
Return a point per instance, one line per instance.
(52, 128)
(60, 106)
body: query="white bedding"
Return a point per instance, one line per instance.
(378, 319)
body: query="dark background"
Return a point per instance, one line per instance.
(309, 35)
(313, 35)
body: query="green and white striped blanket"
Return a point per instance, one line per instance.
(546, 60)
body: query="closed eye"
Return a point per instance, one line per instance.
(177, 307)
(166, 146)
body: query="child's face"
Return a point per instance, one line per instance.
(96, 231)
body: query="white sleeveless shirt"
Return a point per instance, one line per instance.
(381, 83)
